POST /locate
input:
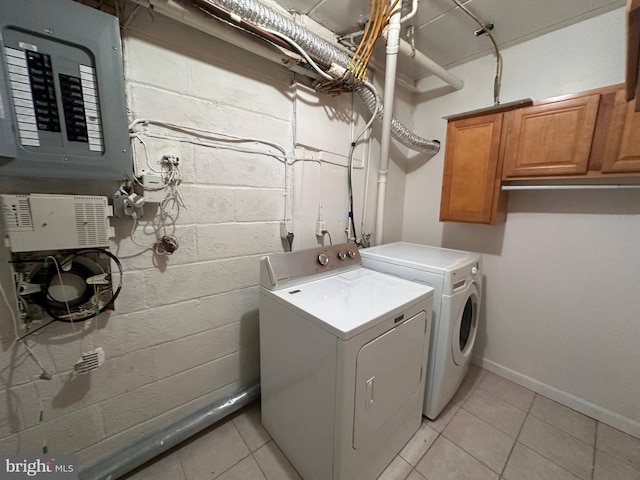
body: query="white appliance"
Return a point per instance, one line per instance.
(342, 357)
(456, 277)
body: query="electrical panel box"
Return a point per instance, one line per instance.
(62, 96)
(55, 222)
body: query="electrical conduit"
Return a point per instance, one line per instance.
(393, 38)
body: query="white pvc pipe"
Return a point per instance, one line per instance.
(424, 61)
(393, 38)
(414, 10)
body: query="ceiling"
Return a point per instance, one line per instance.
(445, 33)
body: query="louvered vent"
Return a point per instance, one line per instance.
(24, 213)
(90, 222)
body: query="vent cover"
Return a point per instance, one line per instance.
(89, 223)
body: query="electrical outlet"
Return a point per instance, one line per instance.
(285, 229)
(320, 228)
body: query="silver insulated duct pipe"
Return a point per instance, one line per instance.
(260, 15)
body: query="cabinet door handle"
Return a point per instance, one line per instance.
(369, 396)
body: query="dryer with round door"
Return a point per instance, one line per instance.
(342, 361)
(456, 277)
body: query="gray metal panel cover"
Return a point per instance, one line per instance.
(67, 31)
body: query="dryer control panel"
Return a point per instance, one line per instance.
(279, 270)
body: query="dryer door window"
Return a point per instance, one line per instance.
(466, 326)
(388, 374)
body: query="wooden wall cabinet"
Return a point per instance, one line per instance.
(633, 51)
(622, 138)
(551, 138)
(592, 137)
(471, 182)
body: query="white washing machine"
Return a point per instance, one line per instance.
(456, 277)
(343, 351)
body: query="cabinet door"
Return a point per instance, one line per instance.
(622, 152)
(471, 183)
(552, 138)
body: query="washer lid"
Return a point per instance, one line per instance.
(351, 302)
(423, 257)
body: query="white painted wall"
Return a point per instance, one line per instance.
(185, 327)
(562, 309)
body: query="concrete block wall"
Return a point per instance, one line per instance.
(185, 327)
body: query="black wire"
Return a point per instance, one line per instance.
(34, 331)
(107, 305)
(350, 185)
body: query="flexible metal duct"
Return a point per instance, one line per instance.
(399, 131)
(257, 13)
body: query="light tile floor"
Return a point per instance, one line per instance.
(493, 429)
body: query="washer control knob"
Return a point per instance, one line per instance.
(342, 255)
(351, 254)
(474, 269)
(323, 259)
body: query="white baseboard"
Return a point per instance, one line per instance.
(603, 415)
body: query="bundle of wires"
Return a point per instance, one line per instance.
(379, 17)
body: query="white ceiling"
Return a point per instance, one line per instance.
(446, 34)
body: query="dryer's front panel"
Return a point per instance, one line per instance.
(388, 373)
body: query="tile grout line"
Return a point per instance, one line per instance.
(469, 453)
(507, 401)
(184, 472)
(264, 474)
(240, 460)
(543, 456)
(501, 475)
(564, 431)
(413, 468)
(441, 433)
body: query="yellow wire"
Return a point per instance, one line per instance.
(356, 63)
(367, 29)
(378, 18)
(368, 47)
